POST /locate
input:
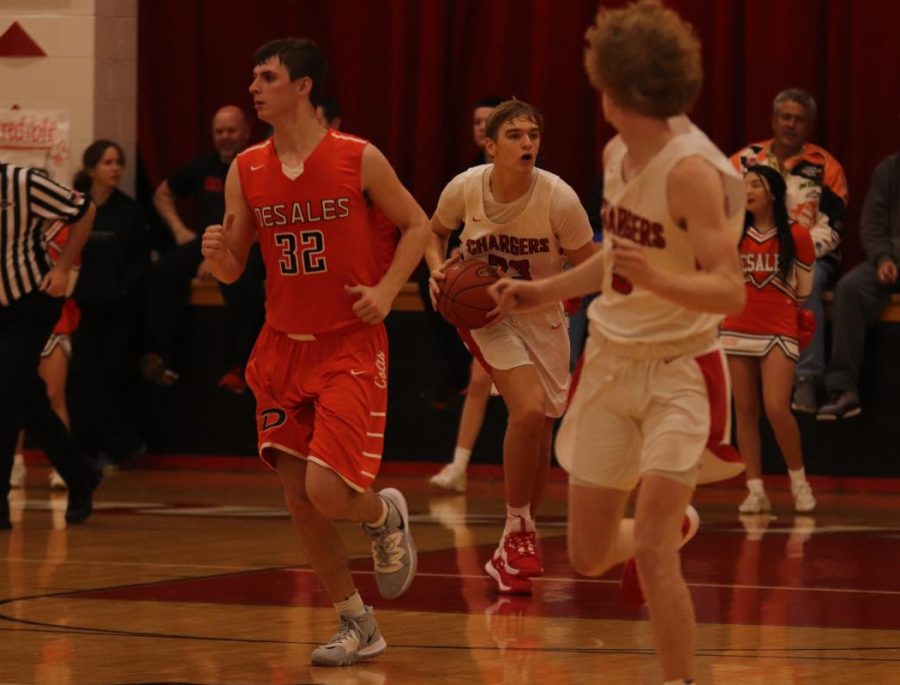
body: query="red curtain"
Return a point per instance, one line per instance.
(407, 73)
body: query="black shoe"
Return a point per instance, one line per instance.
(842, 405)
(81, 500)
(154, 370)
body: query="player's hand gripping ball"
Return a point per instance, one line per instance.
(464, 300)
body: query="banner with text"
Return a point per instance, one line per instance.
(37, 138)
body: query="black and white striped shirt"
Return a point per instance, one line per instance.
(30, 205)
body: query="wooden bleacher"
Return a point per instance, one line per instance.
(890, 315)
(206, 293)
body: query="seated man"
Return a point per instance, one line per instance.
(862, 295)
(170, 278)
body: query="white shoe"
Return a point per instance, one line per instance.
(803, 497)
(17, 477)
(755, 504)
(393, 549)
(451, 477)
(56, 481)
(356, 639)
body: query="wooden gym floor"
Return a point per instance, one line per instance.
(195, 577)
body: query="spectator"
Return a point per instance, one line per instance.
(328, 112)
(31, 300)
(114, 262)
(170, 279)
(863, 293)
(762, 342)
(817, 200)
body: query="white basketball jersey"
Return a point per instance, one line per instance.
(638, 210)
(526, 246)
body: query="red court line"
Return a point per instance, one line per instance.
(733, 581)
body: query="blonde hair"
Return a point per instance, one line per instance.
(646, 58)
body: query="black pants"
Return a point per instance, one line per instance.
(168, 293)
(103, 376)
(859, 300)
(25, 327)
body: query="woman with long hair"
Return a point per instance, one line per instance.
(763, 342)
(114, 262)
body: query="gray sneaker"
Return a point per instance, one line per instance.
(393, 548)
(357, 638)
(805, 398)
(842, 405)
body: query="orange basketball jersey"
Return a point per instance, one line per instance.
(317, 233)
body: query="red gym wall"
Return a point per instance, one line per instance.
(407, 73)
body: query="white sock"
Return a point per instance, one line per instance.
(461, 457)
(514, 515)
(381, 519)
(797, 475)
(755, 485)
(352, 606)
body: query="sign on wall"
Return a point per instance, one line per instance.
(37, 138)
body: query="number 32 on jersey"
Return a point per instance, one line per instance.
(302, 252)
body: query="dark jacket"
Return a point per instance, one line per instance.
(879, 228)
(115, 256)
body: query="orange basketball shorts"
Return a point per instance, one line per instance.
(323, 400)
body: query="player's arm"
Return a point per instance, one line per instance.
(381, 184)
(166, 205)
(56, 282)
(225, 247)
(435, 253)
(517, 295)
(435, 257)
(582, 254)
(696, 201)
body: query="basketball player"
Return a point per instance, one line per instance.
(653, 392)
(527, 222)
(319, 368)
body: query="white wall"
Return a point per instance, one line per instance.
(90, 70)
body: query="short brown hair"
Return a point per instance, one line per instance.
(301, 57)
(646, 58)
(509, 110)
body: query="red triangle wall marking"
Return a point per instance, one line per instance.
(15, 42)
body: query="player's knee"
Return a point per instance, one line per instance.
(778, 413)
(330, 496)
(480, 385)
(587, 562)
(656, 561)
(529, 417)
(297, 502)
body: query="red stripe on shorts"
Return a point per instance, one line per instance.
(473, 348)
(726, 462)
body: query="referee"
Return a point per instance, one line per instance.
(32, 290)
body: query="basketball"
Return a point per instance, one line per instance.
(464, 300)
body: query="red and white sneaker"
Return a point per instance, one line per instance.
(632, 594)
(507, 583)
(519, 553)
